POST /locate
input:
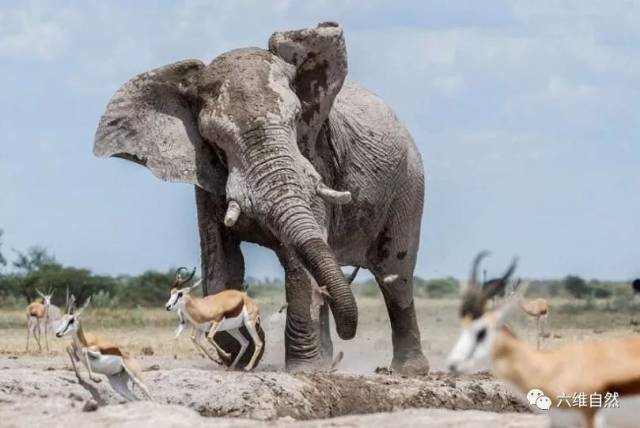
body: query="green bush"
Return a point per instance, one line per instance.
(577, 287)
(601, 293)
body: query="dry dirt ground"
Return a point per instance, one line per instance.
(40, 389)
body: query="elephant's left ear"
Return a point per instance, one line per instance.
(320, 57)
(152, 121)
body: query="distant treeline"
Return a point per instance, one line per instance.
(38, 269)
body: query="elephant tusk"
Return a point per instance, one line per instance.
(233, 212)
(333, 196)
(389, 279)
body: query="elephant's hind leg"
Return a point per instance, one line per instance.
(392, 260)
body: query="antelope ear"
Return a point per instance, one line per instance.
(320, 58)
(194, 286)
(151, 121)
(512, 301)
(86, 304)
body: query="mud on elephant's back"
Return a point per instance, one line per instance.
(231, 345)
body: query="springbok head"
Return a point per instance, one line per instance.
(472, 351)
(178, 294)
(46, 297)
(70, 321)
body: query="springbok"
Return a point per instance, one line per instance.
(538, 309)
(99, 355)
(41, 312)
(579, 370)
(227, 310)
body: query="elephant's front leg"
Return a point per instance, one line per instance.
(302, 350)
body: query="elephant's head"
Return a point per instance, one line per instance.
(238, 127)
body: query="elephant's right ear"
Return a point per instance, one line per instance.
(320, 58)
(151, 121)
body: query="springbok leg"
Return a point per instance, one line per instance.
(29, 324)
(212, 332)
(243, 345)
(86, 385)
(119, 384)
(251, 328)
(195, 337)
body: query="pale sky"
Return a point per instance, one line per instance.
(527, 114)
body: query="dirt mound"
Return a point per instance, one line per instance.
(273, 395)
(53, 413)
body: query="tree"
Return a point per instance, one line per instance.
(34, 259)
(576, 286)
(149, 289)
(3, 261)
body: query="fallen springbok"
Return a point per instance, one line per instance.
(39, 314)
(591, 369)
(227, 310)
(100, 356)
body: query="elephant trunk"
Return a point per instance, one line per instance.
(282, 199)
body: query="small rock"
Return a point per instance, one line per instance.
(75, 397)
(147, 350)
(50, 369)
(383, 371)
(152, 368)
(90, 406)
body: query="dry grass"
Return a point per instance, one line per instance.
(135, 329)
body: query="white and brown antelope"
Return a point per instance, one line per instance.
(41, 314)
(100, 356)
(228, 310)
(538, 309)
(590, 368)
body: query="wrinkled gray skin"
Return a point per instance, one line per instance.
(263, 128)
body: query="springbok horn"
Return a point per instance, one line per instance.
(179, 274)
(510, 269)
(193, 272)
(333, 196)
(233, 212)
(180, 280)
(473, 280)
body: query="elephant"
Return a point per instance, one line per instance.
(284, 152)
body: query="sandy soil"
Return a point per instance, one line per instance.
(191, 391)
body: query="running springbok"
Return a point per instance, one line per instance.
(227, 310)
(590, 369)
(38, 312)
(99, 355)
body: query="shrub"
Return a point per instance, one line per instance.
(601, 293)
(577, 287)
